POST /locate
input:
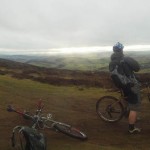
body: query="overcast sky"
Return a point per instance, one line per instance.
(38, 25)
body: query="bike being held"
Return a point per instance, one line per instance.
(122, 70)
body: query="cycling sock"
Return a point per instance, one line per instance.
(131, 126)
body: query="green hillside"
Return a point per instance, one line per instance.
(85, 61)
(63, 77)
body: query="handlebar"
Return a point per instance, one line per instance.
(36, 119)
(10, 108)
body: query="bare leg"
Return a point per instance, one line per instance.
(132, 120)
(132, 117)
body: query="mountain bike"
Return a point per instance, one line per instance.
(112, 109)
(39, 121)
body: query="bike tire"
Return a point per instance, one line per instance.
(109, 109)
(70, 131)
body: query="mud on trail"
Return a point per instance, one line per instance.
(74, 106)
(100, 134)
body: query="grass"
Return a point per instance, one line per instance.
(74, 105)
(24, 94)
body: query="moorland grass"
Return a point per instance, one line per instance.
(70, 104)
(24, 94)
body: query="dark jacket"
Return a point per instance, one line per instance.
(129, 67)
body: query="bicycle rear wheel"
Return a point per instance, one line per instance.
(109, 109)
(70, 131)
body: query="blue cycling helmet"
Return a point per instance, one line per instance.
(118, 47)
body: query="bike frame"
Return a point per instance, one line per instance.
(42, 122)
(108, 110)
(38, 119)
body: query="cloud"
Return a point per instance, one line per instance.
(47, 24)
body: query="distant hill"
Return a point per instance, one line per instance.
(84, 61)
(89, 61)
(52, 75)
(60, 76)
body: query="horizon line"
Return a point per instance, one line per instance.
(70, 50)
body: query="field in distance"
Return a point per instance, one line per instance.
(97, 61)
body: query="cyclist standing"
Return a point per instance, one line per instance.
(131, 91)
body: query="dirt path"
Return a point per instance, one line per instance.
(78, 109)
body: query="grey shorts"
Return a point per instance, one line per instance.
(133, 97)
(134, 107)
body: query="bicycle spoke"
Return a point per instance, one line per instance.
(109, 109)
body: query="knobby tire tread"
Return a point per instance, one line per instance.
(99, 102)
(79, 135)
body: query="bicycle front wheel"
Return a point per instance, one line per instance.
(70, 131)
(109, 109)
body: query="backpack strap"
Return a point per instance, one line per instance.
(20, 139)
(13, 138)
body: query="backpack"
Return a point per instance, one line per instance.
(121, 75)
(30, 139)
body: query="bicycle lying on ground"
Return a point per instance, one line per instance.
(41, 122)
(112, 109)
